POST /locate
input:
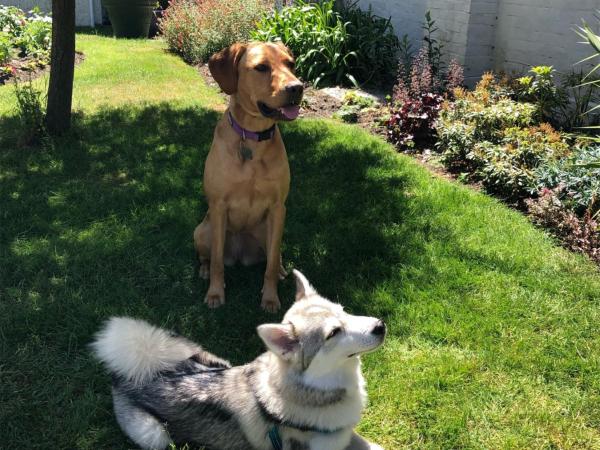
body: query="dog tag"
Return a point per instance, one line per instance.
(245, 152)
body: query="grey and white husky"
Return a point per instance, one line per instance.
(305, 393)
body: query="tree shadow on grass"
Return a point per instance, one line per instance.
(101, 224)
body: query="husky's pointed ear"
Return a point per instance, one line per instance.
(223, 67)
(279, 338)
(303, 287)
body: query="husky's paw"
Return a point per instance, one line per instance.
(375, 446)
(215, 297)
(270, 303)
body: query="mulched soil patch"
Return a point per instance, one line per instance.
(319, 104)
(25, 69)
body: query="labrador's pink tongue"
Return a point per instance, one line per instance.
(290, 112)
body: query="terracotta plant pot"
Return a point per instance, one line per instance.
(130, 18)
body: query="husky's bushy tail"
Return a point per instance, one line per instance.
(136, 350)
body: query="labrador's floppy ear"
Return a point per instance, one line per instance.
(224, 67)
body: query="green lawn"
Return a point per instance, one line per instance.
(494, 339)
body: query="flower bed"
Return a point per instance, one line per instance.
(196, 29)
(25, 40)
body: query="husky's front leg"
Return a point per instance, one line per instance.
(358, 443)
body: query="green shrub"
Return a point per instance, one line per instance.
(24, 35)
(196, 29)
(541, 90)
(11, 20)
(579, 234)
(31, 112)
(508, 168)
(376, 45)
(348, 113)
(577, 178)
(362, 101)
(35, 38)
(349, 46)
(478, 116)
(496, 140)
(5, 47)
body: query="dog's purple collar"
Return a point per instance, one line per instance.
(264, 135)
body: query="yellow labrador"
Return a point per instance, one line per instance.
(247, 175)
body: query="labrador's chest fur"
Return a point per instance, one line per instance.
(248, 177)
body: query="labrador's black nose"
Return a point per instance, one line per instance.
(379, 329)
(295, 91)
(295, 88)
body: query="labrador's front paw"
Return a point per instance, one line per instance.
(215, 297)
(270, 302)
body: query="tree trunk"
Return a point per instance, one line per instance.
(62, 66)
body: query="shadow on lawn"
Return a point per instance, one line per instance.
(101, 224)
(104, 219)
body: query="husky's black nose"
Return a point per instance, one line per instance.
(379, 329)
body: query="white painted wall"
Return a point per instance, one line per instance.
(540, 32)
(501, 35)
(82, 9)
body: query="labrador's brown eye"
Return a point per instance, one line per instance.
(261, 68)
(334, 332)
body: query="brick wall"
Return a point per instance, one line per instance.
(507, 35)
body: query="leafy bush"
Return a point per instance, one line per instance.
(417, 100)
(30, 110)
(376, 45)
(496, 140)
(196, 29)
(508, 167)
(478, 116)
(352, 106)
(412, 122)
(35, 38)
(576, 179)
(12, 20)
(577, 234)
(24, 35)
(5, 47)
(349, 46)
(540, 89)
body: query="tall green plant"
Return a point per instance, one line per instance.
(334, 46)
(373, 40)
(434, 47)
(317, 36)
(593, 40)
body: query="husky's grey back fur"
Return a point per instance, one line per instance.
(308, 385)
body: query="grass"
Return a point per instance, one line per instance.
(493, 340)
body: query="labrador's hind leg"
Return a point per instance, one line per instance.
(251, 250)
(259, 233)
(202, 236)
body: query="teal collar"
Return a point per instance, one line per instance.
(275, 438)
(276, 441)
